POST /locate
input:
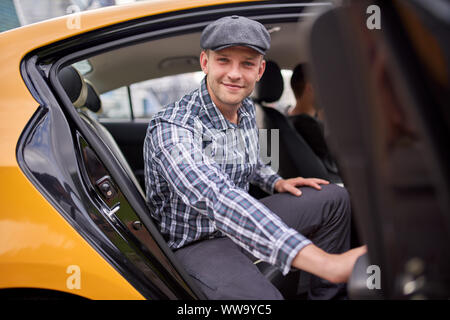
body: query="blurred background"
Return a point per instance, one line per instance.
(16, 13)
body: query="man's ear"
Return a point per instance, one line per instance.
(204, 61)
(262, 67)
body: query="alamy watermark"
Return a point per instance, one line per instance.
(73, 281)
(74, 20)
(374, 20)
(374, 279)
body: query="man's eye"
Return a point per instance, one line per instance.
(223, 60)
(249, 64)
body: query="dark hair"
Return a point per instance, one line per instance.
(298, 80)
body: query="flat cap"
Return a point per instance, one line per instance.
(235, 31)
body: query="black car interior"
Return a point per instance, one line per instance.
(297, 157)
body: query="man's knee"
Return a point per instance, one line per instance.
(338, 195)
(336, 192)
(339, 199)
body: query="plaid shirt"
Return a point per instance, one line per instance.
(198, 167)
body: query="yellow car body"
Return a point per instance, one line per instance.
(37, 245)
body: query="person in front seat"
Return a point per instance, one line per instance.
(305, 117)
(202, 152)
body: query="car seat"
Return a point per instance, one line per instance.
(296, 157)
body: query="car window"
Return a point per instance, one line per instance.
(147, 97)
(150, 96)
(115, 104)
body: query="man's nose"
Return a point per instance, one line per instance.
(235, 72)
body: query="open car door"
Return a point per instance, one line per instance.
(385, 90)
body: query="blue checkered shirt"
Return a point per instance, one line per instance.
(198, 167)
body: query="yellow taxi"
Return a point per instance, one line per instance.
(77, 93)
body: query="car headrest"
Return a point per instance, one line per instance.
(270, 87)
(74, 85)
(93, 101)
(80, 91)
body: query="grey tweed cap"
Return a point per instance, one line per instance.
(235, 31)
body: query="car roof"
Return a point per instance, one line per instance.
(32, 36)
(16, 43)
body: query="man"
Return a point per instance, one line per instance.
(303, 92)
(202, 152)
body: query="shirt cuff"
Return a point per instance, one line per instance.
(287, 248)
(271, 182)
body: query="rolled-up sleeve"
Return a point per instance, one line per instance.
(199, 182)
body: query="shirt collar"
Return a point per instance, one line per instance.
(217, 119)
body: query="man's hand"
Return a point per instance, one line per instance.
(290, 185)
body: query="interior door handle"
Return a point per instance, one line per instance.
(111, 212)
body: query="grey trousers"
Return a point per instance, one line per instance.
(223, 271)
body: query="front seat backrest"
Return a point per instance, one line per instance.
(296, 158)
(271, 85)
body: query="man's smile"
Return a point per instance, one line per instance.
(233, 87)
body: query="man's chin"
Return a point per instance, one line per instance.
(234, 99)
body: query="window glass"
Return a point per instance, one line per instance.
(115, 104)
(148, 97)
(83, 67)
